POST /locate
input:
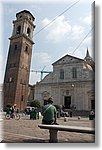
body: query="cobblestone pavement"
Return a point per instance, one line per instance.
(27, 131)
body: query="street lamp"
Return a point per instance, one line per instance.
(73, 85)
(73, 106)
(73, 91)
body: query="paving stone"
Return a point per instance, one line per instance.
(26, 130)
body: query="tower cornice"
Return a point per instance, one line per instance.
(20, 36)
(24, 19)
(25, 11)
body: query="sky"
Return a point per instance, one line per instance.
(70, 26)
(82, 48)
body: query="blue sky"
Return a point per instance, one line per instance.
(58, 39)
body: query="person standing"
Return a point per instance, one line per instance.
(49, 112)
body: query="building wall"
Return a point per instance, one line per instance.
(77, 89)
(79, 94)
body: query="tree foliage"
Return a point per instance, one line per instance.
(35, 103)
(57, 107)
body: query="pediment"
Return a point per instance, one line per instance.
(67, 59)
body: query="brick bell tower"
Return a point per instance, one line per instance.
(16, 80)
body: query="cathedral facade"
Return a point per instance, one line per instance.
(71, 83)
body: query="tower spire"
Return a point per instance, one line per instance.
(87, 57)
(87, 53)
(88, 60)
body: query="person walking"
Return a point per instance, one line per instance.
(49, 113)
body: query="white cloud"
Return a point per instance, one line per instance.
(61, 29)
(87, 19)
(58, 29)
(42, 57)
(77, 31)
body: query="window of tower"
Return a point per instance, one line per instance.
(11, 79)
(18, 30)
(28, 31)
(15, 46)
(26, 49)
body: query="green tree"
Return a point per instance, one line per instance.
(35, 103)
(57, 107)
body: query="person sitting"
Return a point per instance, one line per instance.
(49, 112)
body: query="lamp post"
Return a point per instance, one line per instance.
(73, 90)
(73, 106)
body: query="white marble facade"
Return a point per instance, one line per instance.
(71, 83)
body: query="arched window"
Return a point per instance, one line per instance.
(18, 30)
(26, 49)
(28, 31)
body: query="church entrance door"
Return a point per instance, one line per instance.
(67, 102)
